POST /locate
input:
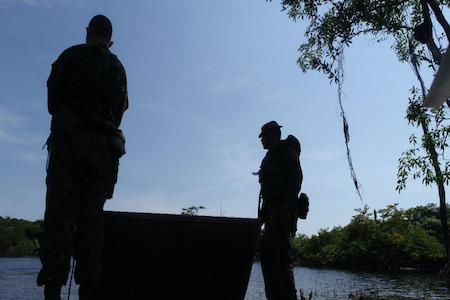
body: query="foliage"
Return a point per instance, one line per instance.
(427, 159)
(402, 238)
(427, 218)
(19, 237)
(334, 23)
(191, 211)
(418, 163)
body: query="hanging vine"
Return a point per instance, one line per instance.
(340, 76)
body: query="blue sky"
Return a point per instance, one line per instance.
(204, 76)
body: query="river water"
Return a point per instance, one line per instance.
(18, 282)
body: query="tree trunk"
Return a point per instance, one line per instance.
(437, 56)
(441, 189)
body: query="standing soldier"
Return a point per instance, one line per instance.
(280, 177)
(87, 96)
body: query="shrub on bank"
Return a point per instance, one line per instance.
(19, 237)
(395, 241)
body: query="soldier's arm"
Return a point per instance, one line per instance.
(56, 87)
(123, 104)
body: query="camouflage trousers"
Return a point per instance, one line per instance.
(276, 263)
(80, 173)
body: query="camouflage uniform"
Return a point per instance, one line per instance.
(280, 178)
(87, 96)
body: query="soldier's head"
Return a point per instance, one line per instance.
(99, 31)
(270, 134)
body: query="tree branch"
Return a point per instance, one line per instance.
(440, 17)
(437, 55)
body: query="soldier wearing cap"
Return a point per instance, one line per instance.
(280, 177)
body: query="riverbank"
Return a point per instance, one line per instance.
(409, 238)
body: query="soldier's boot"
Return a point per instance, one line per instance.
(88, 291)
(52, 291)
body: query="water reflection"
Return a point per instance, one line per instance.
(18, 281)
(334, 284)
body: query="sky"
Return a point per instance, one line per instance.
(203, 77)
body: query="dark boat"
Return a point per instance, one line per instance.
(162, 256)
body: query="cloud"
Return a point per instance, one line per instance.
(229, 83)
(155, 201)
(9, 117)
(175, 116)
(4, 136)
(226, 181)
(19, 129)
(35, 3)
(238, 161)
(4, 4)
(32, 156)
(9, 122)
(323, 153)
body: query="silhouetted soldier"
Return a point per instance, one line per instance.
(87, 96)
(280, 177)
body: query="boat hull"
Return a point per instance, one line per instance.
(161, 256)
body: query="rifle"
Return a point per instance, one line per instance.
(259, 205)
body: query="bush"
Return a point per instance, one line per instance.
(19, 237)
(396, 241)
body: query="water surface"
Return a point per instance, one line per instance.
(18, 282)
(335, 284)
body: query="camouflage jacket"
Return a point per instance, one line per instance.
(280, 177)
(88, 79)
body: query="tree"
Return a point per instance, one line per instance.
(191, 211)
(19, 237)
(430, 164)
(427, 217)
(397, 240)
(334, 24)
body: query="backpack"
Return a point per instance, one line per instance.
(302, 206)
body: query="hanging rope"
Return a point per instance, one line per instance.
(340, 80)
